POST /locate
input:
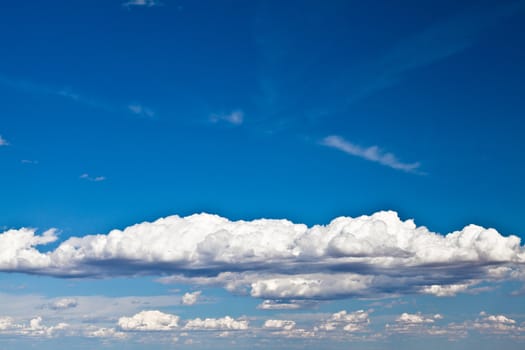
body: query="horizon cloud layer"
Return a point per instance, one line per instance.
(279, 260)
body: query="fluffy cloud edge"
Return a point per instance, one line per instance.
(278, 259)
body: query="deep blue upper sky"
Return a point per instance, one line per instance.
(435, 82)
(115, 114)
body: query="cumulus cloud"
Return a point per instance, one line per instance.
(153, 320)
(279, 260)
(279, 324)
(101, 332)
(34, 328)
(224, 323)
(18, 252)
(445, 291)
(497, 324)
(235, 118)
(190, 298)
(351, 322)
(3, 142)
(286, 328)
(373, 154)
(407, 318)
(425, 325)
(64, 303)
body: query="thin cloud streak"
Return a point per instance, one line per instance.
(141, 110)
(87, 177)
(66, 93)
(372, 153)
(142, 3)
(3, 142)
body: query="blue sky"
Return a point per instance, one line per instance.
(338, 122)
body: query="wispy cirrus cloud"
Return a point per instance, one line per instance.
(235, 117)
(372, 153)
(142, 3)
(67, 93)
(87, 177)
(141, 110)
(29, 161)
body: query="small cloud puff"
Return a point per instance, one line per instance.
(87, 177)
(64, 303)
(235, 118)
(224, 323)
(153, 320)
(190, 298)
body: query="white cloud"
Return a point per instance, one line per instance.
(34, 328)
(279, 260)
(141, 110)
(407, 318)
(235, 118)
(286, 328)
(7, 323)
(425, 325)
(351, 322)
(17, 249)
(153, 320)
(3, 142)
(445, 291)
(279, 324)
(190, 298)
(145, 3)
(280, 305)
(87, 177)
(64, 303)
(497, 324)
(373, 154)
(94, 332)
(225, 323)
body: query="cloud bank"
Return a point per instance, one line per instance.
(279, 260)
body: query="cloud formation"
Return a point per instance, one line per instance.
(145, 3)
(190, 298)
(141, 110)
(153, 320)
(235, 118)
(3, 142)
(350, 322)
(87, 177)
(224, 323)
(373, 154)
(64, 303)
(280, 260)
(34, 328)
(279, 324)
